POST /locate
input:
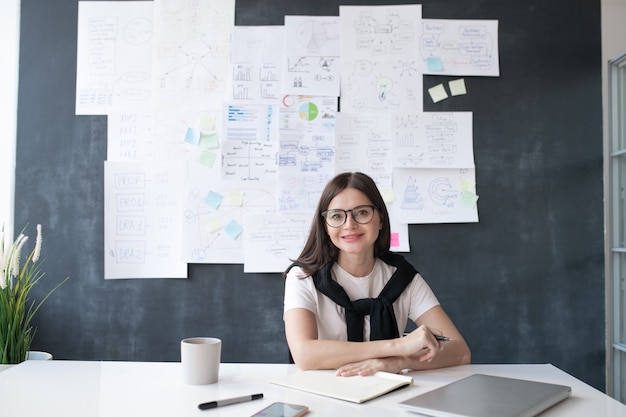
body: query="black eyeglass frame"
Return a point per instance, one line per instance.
(351, 211)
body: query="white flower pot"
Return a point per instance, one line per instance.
(35, 355)
(31, 355)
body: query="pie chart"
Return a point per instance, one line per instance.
(308, 111)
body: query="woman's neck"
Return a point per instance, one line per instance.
(356, 265)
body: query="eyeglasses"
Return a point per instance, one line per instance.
(338, 217)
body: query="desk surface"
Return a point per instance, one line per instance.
(117, 389)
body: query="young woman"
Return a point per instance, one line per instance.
(348, 298)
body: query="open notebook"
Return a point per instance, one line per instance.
(357, 389)
(488, 396)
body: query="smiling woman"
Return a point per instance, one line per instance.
(348, 298)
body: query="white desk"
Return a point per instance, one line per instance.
(118, 389)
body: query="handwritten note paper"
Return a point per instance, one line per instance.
(256, 63)
(270, 241)
(143, 218)
(380, 68)
(435, 195)
(113, 56)
(460, 47)
(312, 61)
(433, 140)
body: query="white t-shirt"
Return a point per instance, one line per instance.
(415, 300)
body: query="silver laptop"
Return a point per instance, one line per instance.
(488, 396)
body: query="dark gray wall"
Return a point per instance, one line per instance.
(525, 284)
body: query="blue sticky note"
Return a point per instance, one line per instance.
(213, 199)
(434, 63)
(233, 229)
(192, 136)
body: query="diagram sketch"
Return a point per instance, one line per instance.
(307, 150)
(312, 50)
(256, 63)
(164, 135)
(272, 240)
(460, 47)
(249, 161)
(192, 52)
(433, 140)
(250, 121)
(363, 143)
(380, 66)
(114, 56)
(435, 195)
(143, 220)
(214, 218)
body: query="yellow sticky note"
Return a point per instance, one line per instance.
(457, 87)
(207, 122)
(466, 185)
(437, 93)
(212, 224)
(388, 196)
(234, 198)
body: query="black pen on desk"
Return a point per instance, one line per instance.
(229, 401)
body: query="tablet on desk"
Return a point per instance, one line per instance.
(481, 395)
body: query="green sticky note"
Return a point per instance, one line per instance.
(209, 141)
(468, 199)
(207, 158)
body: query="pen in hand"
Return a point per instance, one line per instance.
(229, 401)
(437, 337)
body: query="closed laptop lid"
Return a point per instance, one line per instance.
(481, 395)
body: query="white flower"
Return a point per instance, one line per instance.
(4, 260)
(38, 241)
(14, 262)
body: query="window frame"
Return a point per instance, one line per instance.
(616, 227)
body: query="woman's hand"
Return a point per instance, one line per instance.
(422, 343)
(370, 367)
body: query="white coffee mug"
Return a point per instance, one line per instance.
(200, 360)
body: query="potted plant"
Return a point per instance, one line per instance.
(17, 309)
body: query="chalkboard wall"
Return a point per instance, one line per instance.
(524, 285)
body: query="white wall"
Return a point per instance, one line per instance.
(9, 33)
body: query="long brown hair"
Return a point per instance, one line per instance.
(318, 249)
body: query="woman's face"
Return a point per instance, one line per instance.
(353, 237)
